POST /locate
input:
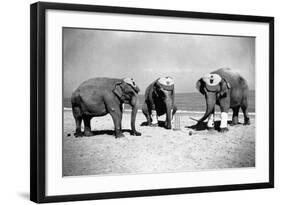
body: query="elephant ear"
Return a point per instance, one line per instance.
(224, 87)
(199, 86)
(156, 87)
(117, 89)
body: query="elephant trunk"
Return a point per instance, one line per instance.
(169, 106)
(210, 105)
(134, 104)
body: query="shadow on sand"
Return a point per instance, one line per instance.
(203, 125)
(198, 127)
(160, 124)
(100, 132)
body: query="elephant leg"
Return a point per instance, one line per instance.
(224, 114)
(175, 108)
(78, 120)
(87, 124)
(117, 118)
(173, 112)
(235, 115)
(246, 115)
(223, 125)
(146, 113)
(154, 118)
(211, 120)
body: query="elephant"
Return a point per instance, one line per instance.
(227, 89)
(160, 100)
(100, 96)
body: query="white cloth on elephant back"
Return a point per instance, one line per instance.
(167, 82)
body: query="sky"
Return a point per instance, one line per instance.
(144, 56)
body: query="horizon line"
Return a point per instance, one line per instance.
(184, 92)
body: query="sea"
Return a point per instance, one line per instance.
(185, 102)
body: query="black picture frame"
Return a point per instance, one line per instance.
(38, 103)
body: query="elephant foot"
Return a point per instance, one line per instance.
(233, 123)
(88, 133)
(168, 126)
(225, 129)
(135, 133)
(154, 125)
(78, 134)
(210, 128)
(119, 135)
(247, 123)
(148, 124)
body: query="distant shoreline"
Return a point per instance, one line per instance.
(184, 102)
(181, 93)
(178, 111)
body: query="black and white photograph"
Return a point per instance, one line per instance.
(139, 102)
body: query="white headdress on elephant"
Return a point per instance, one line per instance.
(212, 81)
(132, 83)
(167, 82)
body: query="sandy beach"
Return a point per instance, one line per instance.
(158, 149)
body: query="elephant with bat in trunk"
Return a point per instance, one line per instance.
(160, 100)
(227, 89)
(100, 96)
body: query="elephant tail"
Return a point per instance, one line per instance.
(75, 98)
(76, 105)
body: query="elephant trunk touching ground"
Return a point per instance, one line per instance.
(227, 89)
(210, 106)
